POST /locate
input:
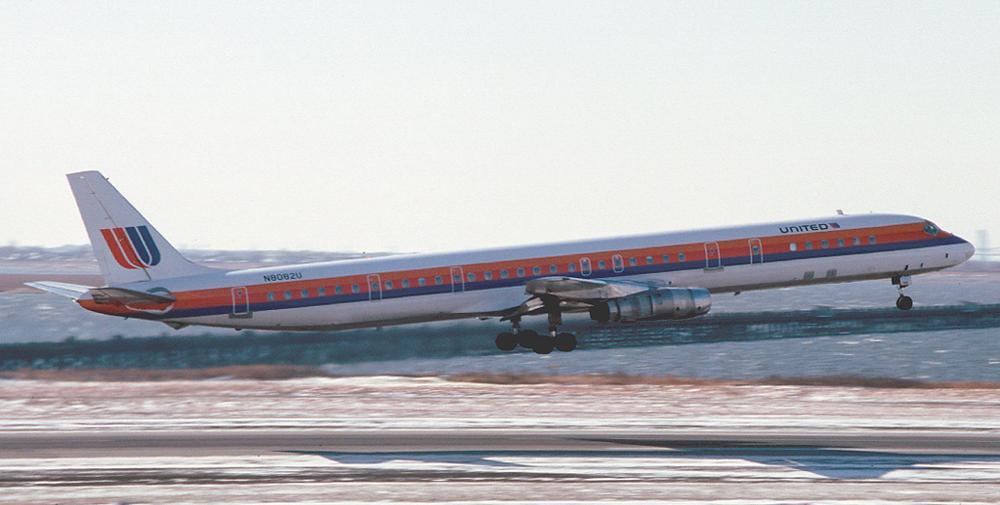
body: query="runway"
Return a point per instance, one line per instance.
(397, 440)
(433, 465)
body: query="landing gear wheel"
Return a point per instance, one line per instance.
(544, 345)
(565, 342)
(506, 341)
(904, 302)
(527, 338)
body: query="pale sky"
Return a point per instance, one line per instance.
(426, 126)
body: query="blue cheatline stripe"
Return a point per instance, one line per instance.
(388, 294)
(140, 248)
(147, 239)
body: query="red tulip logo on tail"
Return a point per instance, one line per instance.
(132, 246)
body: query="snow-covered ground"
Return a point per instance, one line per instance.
(178, 442)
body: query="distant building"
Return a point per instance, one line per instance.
(983, 245)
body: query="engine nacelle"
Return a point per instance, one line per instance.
(661, 303)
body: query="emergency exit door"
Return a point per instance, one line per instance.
(713, 259)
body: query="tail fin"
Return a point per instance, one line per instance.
(127, 247)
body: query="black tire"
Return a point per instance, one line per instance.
(544, 345)
(565, 342)
(506, 341)
(527, 338)
(904, 303)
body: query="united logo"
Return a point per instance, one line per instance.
(132, 246)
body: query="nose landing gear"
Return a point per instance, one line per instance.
(903, 302)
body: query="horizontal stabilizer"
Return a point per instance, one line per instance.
(66, 289)
(126, 296)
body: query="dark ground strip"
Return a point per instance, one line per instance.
(454, 340)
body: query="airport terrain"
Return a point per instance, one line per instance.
(394, 439)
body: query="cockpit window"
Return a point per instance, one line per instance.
(931, 228)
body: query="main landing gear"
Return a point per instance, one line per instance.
(903, 302)
(541, 344)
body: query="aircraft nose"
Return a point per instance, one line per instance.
(968, 248)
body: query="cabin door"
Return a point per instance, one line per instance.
(374, 287)
(756, 251)
(457, 280)
(241, 302)
(713, 260)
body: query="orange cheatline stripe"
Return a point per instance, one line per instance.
(695, 252)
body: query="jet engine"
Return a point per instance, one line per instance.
(657, 303)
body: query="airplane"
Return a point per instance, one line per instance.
(659, 276)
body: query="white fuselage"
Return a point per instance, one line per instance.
(427, 287)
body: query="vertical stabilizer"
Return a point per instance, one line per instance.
(127, 247)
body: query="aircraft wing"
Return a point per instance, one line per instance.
(579, 290)
(66, 289)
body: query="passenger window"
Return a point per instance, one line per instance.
(520, 271)
(536, 270)
(270, 296)
(649, 260)
(421, 281)
(840, 242)
(321, 291)
(488, 275)
(456, 278)
(825, 244)
(553, 269)
(288, 295)
(602, 265)
(388, 284)
(871, 239)
(471, 276)
(809, 245)
(571, 268)
(793, 246)
(373, 286)
(304, 293)
(338, 290)
(405, 283)
(680, 257)
(504, 274)
(666, 258)
(438, 280)
(355, 288)
(856, 240)
(633, 262)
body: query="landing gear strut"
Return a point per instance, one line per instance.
(903, 302)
